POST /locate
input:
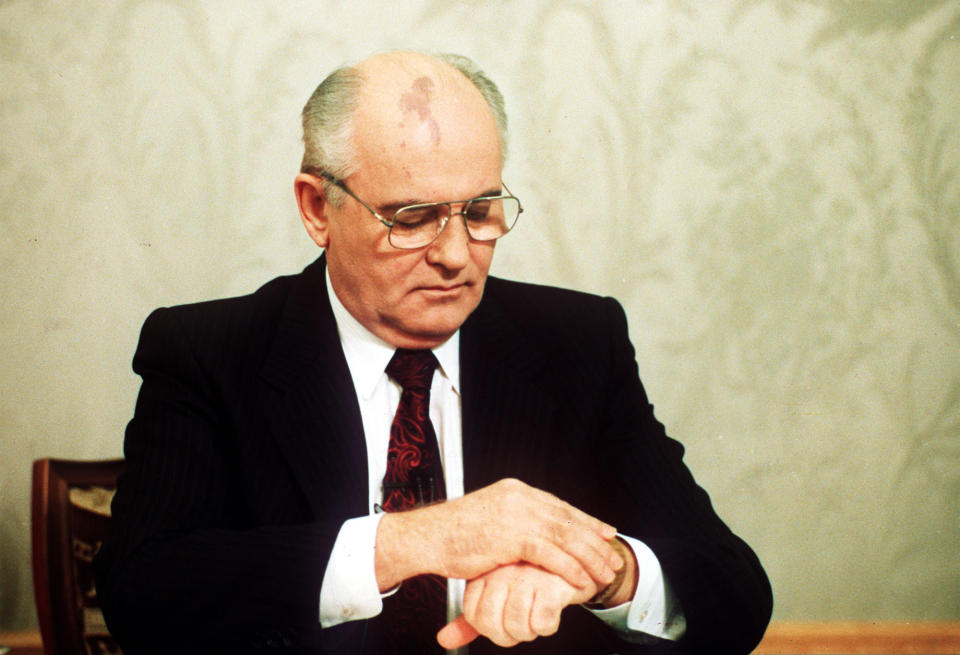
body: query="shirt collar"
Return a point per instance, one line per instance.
(368, 355)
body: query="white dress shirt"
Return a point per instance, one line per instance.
(349, 590)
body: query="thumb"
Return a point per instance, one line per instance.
(457, 633)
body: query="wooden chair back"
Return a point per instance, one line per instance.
(70, 517)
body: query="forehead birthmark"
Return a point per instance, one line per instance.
(417, 99)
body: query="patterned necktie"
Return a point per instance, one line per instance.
(414, 477)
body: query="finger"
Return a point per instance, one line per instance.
(554, 559)
(488, 617)
(516, 613)
(471, 598)
(574, 515)
(545, 615)
(598, 558)
(595, 554)
(516, 493)
(566, 529)
(456, 634)
(557, 525)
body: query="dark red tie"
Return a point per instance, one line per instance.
(414, 477)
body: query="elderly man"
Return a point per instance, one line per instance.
(393, 453)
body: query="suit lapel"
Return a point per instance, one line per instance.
(507, 406)
(311, 405)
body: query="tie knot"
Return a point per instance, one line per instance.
(413, 369)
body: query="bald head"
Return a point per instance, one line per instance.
(415, 111)
(415, 81)
(392, 94)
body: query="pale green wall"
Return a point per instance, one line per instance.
(772, 189)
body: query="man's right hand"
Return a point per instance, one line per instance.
(503, 523)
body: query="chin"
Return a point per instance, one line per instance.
(433, 328)
(438, 331)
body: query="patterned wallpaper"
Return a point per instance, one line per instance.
(771, 187)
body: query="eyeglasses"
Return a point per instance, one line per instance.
(486, 218)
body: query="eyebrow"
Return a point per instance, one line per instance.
(394, 206)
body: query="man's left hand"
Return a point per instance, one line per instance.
(514, 603)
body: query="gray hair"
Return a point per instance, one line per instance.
(487, 88)
(328, 128)
(328, 125)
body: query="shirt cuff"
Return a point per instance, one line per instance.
(653, 610)
(349, 591)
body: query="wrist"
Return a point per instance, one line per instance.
(404, 547)
(624, 584)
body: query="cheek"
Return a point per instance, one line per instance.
(482, 255)
(395, 273)
(372, 261)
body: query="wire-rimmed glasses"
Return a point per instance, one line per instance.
(414, 226)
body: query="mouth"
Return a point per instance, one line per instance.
(445, 289)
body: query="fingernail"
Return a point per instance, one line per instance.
(617, 562)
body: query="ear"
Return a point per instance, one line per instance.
(313, 207)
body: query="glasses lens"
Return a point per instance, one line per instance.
(487, 219)
(416, 226)
(491, 218)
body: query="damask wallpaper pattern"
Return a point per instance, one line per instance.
(771, 188)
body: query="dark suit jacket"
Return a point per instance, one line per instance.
(246, 454)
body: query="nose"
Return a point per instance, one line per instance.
(451, 247)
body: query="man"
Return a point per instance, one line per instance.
(292, 486)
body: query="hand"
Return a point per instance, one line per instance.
(504, 523)
(514, 603)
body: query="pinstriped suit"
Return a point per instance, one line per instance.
(246, 454)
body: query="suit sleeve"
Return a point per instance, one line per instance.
(184, 568)
(718, 581)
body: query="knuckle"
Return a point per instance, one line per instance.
(521, 632)
(507, 485)
(560, 532)
(485, 625)
(503, 640)
(513, 499)
(513, 493)
(530, 551)
(515, 626)
(545, 620)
